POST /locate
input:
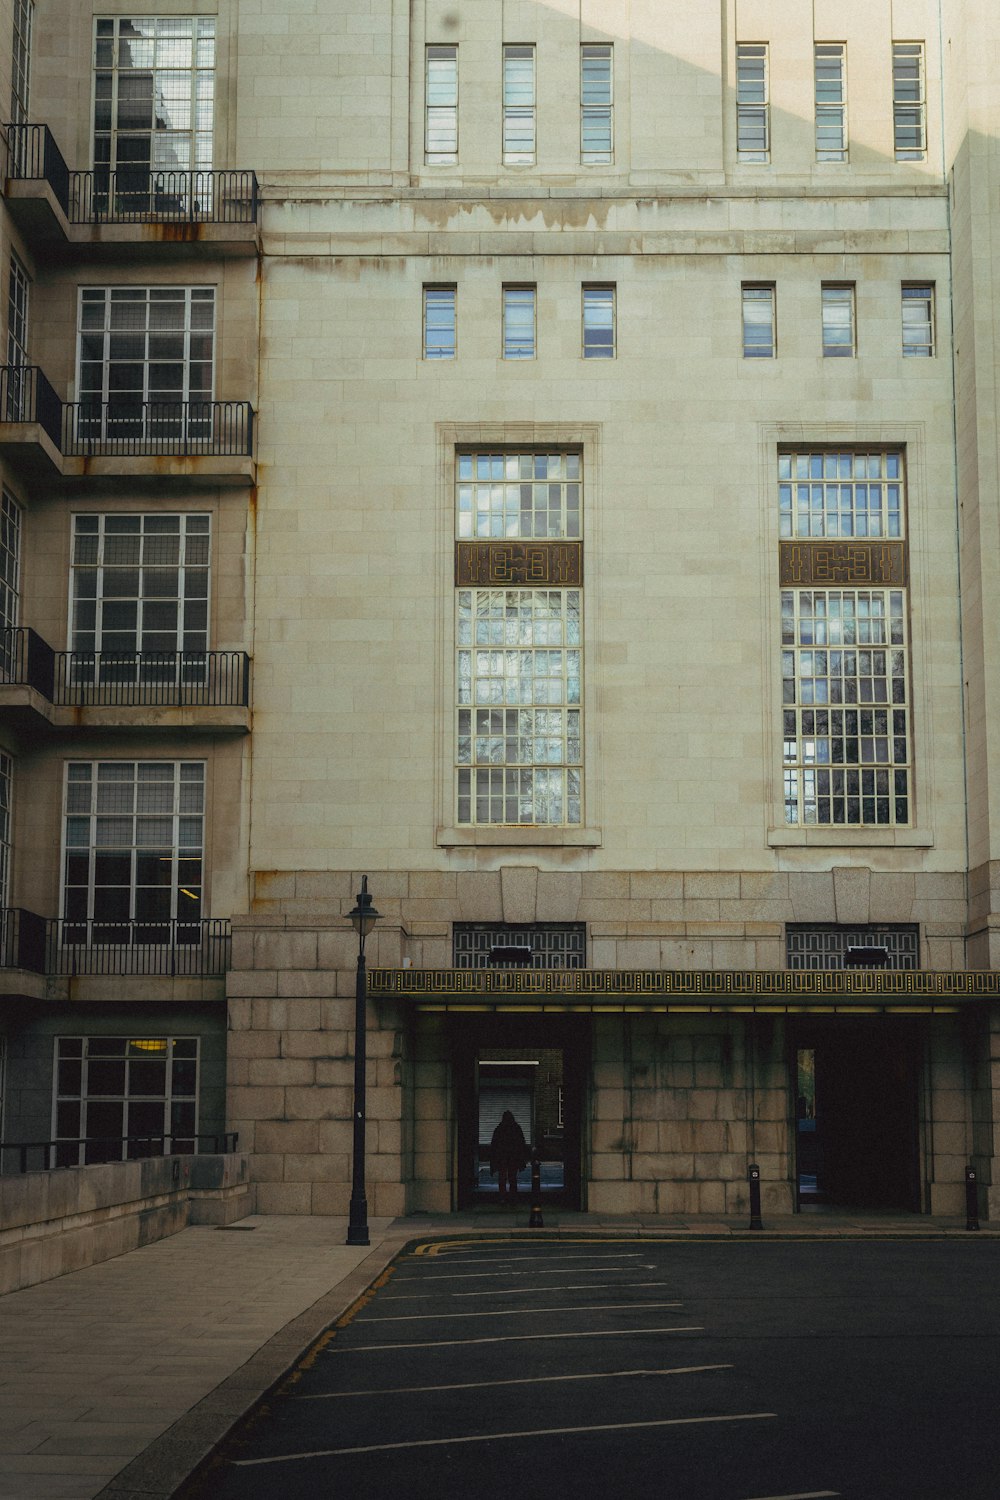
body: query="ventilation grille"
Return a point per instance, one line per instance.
(553, 945)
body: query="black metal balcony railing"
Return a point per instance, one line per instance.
(197, 947)
(26, 396)
(146, 429)
(176, 947)
(32, 155)
(45, 1156)
(136, 196)
(154, 679)
(22, 939)
(26, 660)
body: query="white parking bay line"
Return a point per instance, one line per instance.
(514, 1338)
(491, 1275)
(521, 1260)
(497, 1437)
(516, 1312)
(479, 1385)
(802, 1495)
(516, 1291)
(578, 1286)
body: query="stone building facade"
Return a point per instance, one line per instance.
(541, 456)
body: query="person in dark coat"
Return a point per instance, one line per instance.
(508, 1154)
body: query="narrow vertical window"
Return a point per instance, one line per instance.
(598, 322)
(758, 322)
(441, 106)
(519, 702)
(918, 321)
(519, 322)
(518, 105)
(596, 103)
(440, 326)
(909, 102)
(18, 379)
(839, 334)
(831, 101)
(753, 125)
(10, 587)
(20, 73)
(845, 650)
(6, 782)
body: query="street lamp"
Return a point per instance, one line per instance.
(364, 916)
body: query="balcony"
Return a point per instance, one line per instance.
(31, 420)
(53, 959)
(193, 212)
(208, 691)
(176, 947)
(204, 440)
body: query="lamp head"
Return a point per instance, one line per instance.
(364, 916)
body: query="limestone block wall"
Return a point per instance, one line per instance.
(677, 1112)
(291, 1070)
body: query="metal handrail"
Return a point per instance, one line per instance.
(195, 946)
(27, 396)
(32, 156)
(140, 429)
(163, 679)
(138, 195)
(229, 1139)
(26, 660)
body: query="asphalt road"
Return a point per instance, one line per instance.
(729, 1370)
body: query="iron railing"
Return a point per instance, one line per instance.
(146, 429)
(32, 155)
(157, 679)
(173, 947)
(97, 1149)
(22, 939)
(26, 660)
(27, 396)
(135, 195)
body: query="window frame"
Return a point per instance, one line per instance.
(591, 294)
(20, 69)
(70, 1051)
(591, 112)
(751, 293)
(138, 181)
(832, 347)
(512, 348)
(749, 109)
(919, 291)
(915, 105)
(11, 517)
(826, 110)
(431, 291)
(524, 110)
(6, 827)
(90, 927)
(439, 114)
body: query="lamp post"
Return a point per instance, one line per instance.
(364, 916)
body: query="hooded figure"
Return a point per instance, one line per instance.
(508, 1154)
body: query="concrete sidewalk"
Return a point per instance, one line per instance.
(115, 1381)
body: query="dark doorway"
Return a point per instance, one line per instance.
(857, 1089)
(536, 1069)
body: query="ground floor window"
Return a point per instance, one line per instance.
(118, 1098)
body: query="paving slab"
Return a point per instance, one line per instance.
(118, 1380)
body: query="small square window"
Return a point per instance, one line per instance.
(598, 322)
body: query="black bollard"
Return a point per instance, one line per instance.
(753, 1172)
(971, 1199)
(535, 1217)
